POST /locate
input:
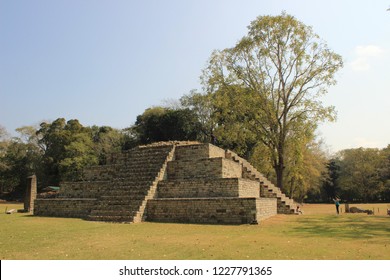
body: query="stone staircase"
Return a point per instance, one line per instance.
(206, 184)
(115, 192)
(285, 204)
(133, 184)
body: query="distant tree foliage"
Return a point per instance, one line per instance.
(19, 158)
(164, 124)
(331, 187)
(203, 108)
(364, 174)
(356, 175)
(55, 151)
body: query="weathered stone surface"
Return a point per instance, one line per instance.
(198, 151)
(64, 207)
(202, 210)
(266, 207)
(223, 187)
(223, 210)
(213, 168)
(83, 189)
(30, 194)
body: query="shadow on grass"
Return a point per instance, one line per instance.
(348, 226)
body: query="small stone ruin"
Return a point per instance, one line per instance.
(355, 209)
(359, 210)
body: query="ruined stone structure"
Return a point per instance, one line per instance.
(170, 182)
(30, 194)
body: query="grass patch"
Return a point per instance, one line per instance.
(318, 234)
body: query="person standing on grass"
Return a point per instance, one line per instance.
(337, 203)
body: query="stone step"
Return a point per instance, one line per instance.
(140, 168)
(122, 191)
(139, 150)
(134, 179)
(139, 174)
(125, 188)
(270, 190)
(131, 185)
(148, 154)
(150, 149)
(286, 202)
(113, 212)
(285, 210)
(145, 158)
(121, 204)
(86, 183)
(124, 197)
(113, 218)
(125, 182)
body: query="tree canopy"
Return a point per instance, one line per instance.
(164, 124)
(267, 87)
(55, 151)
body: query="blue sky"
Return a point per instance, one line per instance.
(105, 62)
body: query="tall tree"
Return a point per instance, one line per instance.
(275, 75)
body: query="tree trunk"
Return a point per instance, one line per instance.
(292, 187)
(279, 166)
(279, 175)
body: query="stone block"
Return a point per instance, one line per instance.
(212, 168)
(266, 207)
(202, 210)
(64, 207)
(197, 188)
(198, 151)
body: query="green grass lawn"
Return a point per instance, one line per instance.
(318, 234)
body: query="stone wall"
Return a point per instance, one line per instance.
(203, 168)
(64, 207)
(266, 207)
(203, 210)
(198, 151)
(191, 188)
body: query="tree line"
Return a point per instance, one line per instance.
(357, 175)
(260, 98)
